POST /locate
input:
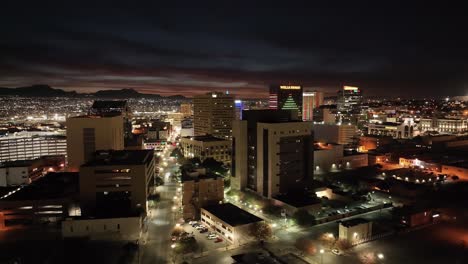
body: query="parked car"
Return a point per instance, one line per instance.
(192, 223)
(212, 236)
(200, 227)
(336, 251)
(218, 240)
(204, 230)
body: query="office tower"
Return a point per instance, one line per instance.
(186, 109)
(200, 191)
(286, 97)
(102, 108)
(239, 107)
(116, 182)
(349, 99)
(310, 100)
(213, 114)
(86, 134)
(31, 145)
(272, 152)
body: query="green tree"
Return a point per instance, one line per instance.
(260, 230)
(303, 218)
(186, 245)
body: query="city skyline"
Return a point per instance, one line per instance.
(193, 51)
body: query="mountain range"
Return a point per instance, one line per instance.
(42, 90)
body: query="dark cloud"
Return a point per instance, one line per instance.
(386, 51)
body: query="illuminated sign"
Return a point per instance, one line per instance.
(350, 88)
(290, 87)
(308, 94)
(238, 101)
(391, 128)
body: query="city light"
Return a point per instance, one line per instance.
(380, 256)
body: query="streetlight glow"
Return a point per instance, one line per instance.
(380, 256)
(322, 251)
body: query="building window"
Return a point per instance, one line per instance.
(118, 226)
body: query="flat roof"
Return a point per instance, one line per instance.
(109, 104)
(120, 157)
(52, 186)
(354, 222)
(232, 214)
(16, 163)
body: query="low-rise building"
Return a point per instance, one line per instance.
(367, 143)
(444, 125)
(335, 133)
(116, 182)
(406, 129)
(121, 228)
(355, 230)
(294, 202)
(207, 146)
(229, 221)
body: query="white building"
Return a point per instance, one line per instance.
(406, 129)
(444, 125)
(31, 145)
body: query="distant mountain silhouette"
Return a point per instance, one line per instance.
(42, 90)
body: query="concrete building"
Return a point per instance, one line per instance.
(204, 147)
(31, 145)
(200, 190)
(186, 109)
(114, 107)
(213, 115)
(21, 172)
(406, 129)
(311, 99)
(349, 99)
(355, 230)
(286, 97)
(229, 221)
(49, 199)
(444, 125)
(119, 228)
(331, 158)
(334, 133)
(86, 134)
(325, 114)
(272, 152)
(186, 129)
(159, 130)
(116, 182)
(367, 143)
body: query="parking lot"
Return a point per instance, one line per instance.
(202, 239)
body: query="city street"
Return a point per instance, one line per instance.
(155, 247)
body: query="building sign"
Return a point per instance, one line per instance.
(290, 87)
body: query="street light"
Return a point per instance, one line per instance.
(321, 255)
(173, 246)
(380, 256)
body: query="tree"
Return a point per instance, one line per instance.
(342, 244)
(303, 218)
(177, 231)
(187, 245)
(306, 245)
(214, 166)
(272, 209)
(260, 230)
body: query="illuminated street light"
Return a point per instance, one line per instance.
(173, 246)
(274, 225)
(321, 255)
(177, 225)
(380, 256)
(322, 251)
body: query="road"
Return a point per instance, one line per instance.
(160, 221)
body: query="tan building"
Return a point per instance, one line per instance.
(86, 134)
(125, 228)
(272, 152)
(116, 182)
(186, 109)
(444, 125)
(311, 99)
(331, 133)
(213, 115)
(199, 191)
(207, 147)
(355, 230)
(229, 221)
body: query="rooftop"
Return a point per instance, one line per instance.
(52, 186)
(232, 214)
(205, 138)
(354, 222)
(16, 163)
(297, 200)
(120, 157)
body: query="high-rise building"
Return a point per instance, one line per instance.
(213, 114)
(186, 109)
(86, 134)
(116, 182)
(310, 100)
(239, 107)
(272, 152)
(286, 97)
(111, 107)
(349, 99)
(31, 145)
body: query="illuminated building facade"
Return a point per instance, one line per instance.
(213, 115)
(349, 99)
(310, 100)
(286, 97)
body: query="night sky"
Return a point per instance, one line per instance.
(386, 50)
